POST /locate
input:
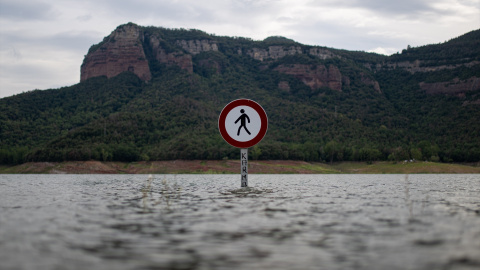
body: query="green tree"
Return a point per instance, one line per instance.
(416, 153)
(331, 150)
(255, 151)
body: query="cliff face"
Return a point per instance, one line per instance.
(121, 51)
(184, 61)
(133, 48)
(314, 76)
(453, 87)
(277, 52)
(273, 52)
(369, 81)
(197, 46)
(417, 66)
(125, 50)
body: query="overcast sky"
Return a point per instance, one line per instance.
(42, 42)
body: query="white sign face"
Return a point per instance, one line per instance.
(243, 123)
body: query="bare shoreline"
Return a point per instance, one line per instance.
(233, 167)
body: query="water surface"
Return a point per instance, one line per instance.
(208, 222)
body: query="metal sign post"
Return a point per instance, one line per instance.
(243, 123)
(244, 166)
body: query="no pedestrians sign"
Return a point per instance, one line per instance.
(243, 123)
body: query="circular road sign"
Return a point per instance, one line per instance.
(243, 123)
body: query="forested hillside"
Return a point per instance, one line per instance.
(323, 104)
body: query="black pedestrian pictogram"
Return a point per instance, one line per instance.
(243, 122)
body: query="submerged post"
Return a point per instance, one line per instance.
(244, 166)
(243, 123)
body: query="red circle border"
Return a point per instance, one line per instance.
(263, 119)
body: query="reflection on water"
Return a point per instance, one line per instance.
(208, 222)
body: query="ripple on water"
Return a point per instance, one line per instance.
(207, 222)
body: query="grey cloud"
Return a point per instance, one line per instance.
(339, 37)
(187, 13)
(84, 18)
(23, 77)
(23, 10)
(404, 8)
(78, 42)
(158, 10)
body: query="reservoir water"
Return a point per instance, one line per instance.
(209, 222)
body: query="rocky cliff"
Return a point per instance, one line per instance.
(273, 52)
(417, 66)
(121, 51)
(124, 50)
(132, 48)
(197, 46)
(453, 87)
(315, 76)
(277, 52)
(179, 58)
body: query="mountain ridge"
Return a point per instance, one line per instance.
(150, 93)
(126, 55)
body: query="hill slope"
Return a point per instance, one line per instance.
(149, 93)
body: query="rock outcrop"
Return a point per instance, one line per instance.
(277, 52)
(127, 47)
(124, 50)
(417, 66)
(370, 81)
(453, 87)
(197, 46)
(322, 53)
(211, 65)
(273, 52)
(184, 61)
(121, 51)
(314, 76)
(284, 86)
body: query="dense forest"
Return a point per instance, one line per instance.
(175, 114)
